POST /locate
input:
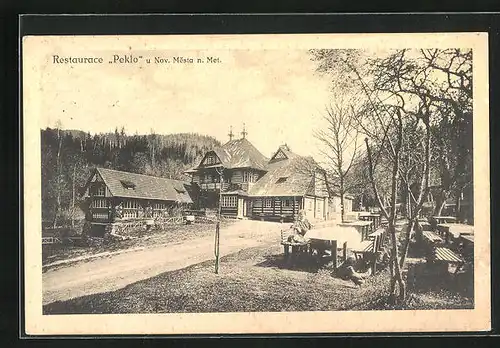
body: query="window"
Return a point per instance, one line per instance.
(246, 176)
(158, 209)
(208, 178)
(97, 190)
(211, 159)
(229, 201)
(129, 185)
(281, 180)
(130, 204)
(100, 203)
(268, 203)
(287, 203)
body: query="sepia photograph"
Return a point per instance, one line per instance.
(233, 183)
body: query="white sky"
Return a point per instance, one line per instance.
(274, 92)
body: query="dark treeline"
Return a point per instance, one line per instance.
(68, 157)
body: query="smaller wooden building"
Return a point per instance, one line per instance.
(291, 183)
(114, 196)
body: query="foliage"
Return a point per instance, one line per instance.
(415, 109)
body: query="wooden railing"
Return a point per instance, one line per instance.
(214, 186)
(50, 240)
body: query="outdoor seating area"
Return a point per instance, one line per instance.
(449, 243)
(358, 239)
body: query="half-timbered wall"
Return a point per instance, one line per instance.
(276, 206)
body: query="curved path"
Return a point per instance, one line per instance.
(117, 271)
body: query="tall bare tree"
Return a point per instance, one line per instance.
(59, 180)
(340, 147)
(402, 90)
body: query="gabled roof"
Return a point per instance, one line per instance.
(240, 153)
(290, 176)
(132, 185)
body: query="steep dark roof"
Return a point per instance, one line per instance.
(145, 186)
(240, 153)
(289, 176)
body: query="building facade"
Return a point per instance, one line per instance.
(114, 197)
(247, 184)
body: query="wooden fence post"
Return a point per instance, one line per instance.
(334, 254)
(344, 251)
(375, 251)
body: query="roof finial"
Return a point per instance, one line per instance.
(231, 133)
(244, 133)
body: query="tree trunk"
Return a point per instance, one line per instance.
(458, 207)
(73, 200)
(341, 199)
(58, 179)
(397, 277)
(440, 203)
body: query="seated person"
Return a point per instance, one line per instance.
(300, 228)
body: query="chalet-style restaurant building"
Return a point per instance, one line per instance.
(114, 196)
(251, 185)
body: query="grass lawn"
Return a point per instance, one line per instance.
(174, 234)
(254, 279)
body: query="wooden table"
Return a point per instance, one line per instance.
(467, 238)
(436, 220)
(467, 241)
(444, 219)
(454, 230)
(334, 236)
(364, 227)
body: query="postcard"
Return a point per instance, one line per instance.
(239, 184)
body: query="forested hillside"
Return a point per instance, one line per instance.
(68, 156)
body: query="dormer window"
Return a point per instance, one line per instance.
(281, 180)
(129, 185)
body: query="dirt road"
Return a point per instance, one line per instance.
(115, 272)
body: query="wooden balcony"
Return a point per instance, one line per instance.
(214, 186)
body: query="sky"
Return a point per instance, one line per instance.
(275, 93)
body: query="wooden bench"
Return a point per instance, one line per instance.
(367, 250)
(431, 237)
(297, 247)
(447, 256)
(379, 237)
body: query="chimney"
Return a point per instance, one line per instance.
(230, 134)
(244, 133)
